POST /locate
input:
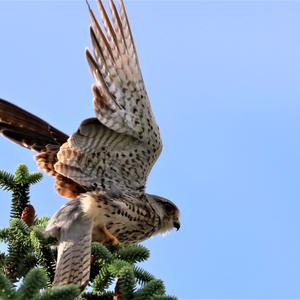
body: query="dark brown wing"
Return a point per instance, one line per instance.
(28, 130)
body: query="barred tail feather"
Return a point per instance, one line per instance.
(26, 129)
(73, 264)
(73, 229)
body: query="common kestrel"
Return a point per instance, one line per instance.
(104, 165)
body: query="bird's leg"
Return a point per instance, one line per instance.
(109, 239)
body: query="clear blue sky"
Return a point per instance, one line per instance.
(223, 77)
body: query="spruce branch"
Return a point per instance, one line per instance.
(102, 281)
(4, 234)
(142, 276)
(101, 253)
(2, 261)
(35, 287)
(34, 281)
(20, 198)
(99, 274)
(43, 252)
(90, 296)
(67, 292)
(150, 289)
(127, 282)
(164, 298)
(34, 178)
(133, 254)
(118, 262)
(21, 175)
(116, 266)
(6, 288)
(19, 185)
(18, 249)
(41, 222)
(7, 181)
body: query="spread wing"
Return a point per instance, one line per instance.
(117, 150)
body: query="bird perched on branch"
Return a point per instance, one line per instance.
(103, 167)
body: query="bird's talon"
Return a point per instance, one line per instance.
(111, 241)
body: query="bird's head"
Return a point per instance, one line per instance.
(168, 212)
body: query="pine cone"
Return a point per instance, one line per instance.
(28, 214)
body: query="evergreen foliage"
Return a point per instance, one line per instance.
(19, 185)
(35, 287)
(29, 262)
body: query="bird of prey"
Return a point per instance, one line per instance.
(103, 167)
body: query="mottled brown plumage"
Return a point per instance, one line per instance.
(104, 165)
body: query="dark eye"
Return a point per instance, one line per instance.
(168, 208)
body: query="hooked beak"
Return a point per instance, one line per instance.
(176, 225)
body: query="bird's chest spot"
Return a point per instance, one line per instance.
(129, 226)
(129, 221)
(131, 233)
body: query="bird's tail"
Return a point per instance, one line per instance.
(27, 129)
(73, 230)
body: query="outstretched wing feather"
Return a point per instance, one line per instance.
(97, 157)
(26, 129)
(118, 77)
(117, 150)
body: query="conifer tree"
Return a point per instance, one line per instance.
(29, 261)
